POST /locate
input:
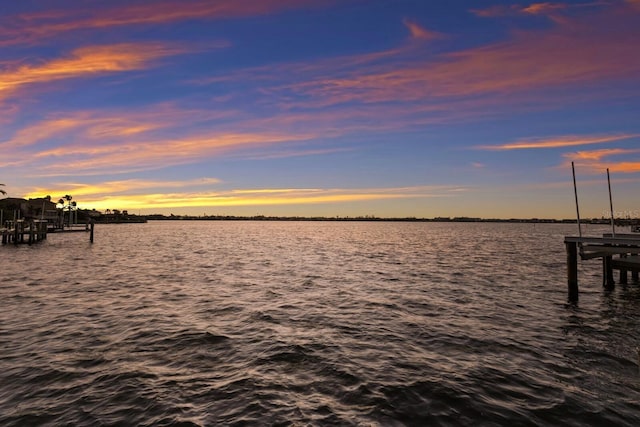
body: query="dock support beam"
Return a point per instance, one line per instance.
(572, 270)
(93, 224)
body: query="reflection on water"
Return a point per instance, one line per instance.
(205, 323)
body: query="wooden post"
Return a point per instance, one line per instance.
(623, 272)
(572, 270)
(634, 273)
(31, 233)
(607, 272)
(15, 232)
(93, 223)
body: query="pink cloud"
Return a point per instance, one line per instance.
(419, 32)
(36, 27)
(543, 8)
(559, 142)
(563, 56)
(550, 9)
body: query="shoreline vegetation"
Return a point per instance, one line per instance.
(371, 218)
(44, 208)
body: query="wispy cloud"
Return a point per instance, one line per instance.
(530, 65)
(558, 142)
(123, 156)
(617, 160)
(122, 187)
(82, 62)
(542, 8)
(37, 27)
(419, 32)
(164, 135)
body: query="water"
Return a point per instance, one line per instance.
(313, 323)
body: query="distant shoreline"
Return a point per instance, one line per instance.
(157, 217)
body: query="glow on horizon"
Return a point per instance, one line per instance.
(127, 193)
(283, 106)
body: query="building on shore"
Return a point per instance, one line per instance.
(39, 208)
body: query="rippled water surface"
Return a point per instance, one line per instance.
(313, 323)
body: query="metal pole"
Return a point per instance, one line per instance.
(575, 191)
(613, 223)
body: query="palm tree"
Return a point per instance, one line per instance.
(4, 193)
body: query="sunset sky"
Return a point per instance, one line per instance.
(390, 108)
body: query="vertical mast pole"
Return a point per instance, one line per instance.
(613, 224)
(575, 191)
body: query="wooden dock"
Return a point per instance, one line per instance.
(618, 252)
(33, 231)
(24, 231)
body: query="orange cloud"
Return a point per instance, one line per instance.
(564, 141)
(121, 141)
(419, 32)
(598, 155)
(84, 62)
(144, 155)
(597, 161)
(543, 8)
(625, 167)
(117, 187)
(39, 26)
(102, 127)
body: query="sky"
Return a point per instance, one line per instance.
(390, 108)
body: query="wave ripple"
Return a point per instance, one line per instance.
(294, 323)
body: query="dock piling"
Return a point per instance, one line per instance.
(572, 270)
(607, 276)
(624, 279)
